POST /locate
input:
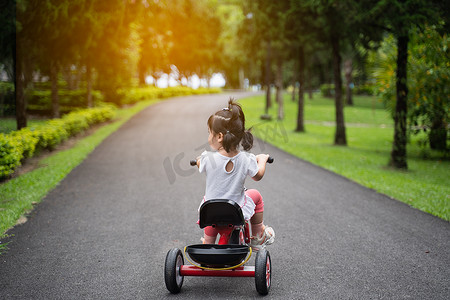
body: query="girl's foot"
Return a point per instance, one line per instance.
(266, 238)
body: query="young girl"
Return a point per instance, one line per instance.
(227, 168)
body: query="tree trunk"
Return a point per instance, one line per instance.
(267, 76)
(19, 87)
(438, 133)
(294, 80)
(89, 85)
(279, 85)
(398, 153)
(294, 89)
(54, 95)
(70, 79)
(348, 69)
(141, 73)
(241, 78)
(301, 91)
(339, 137)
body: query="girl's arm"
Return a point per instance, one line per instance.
(261, 159)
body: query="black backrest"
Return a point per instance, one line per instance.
(220, 212)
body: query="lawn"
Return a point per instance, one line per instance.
(369, 129)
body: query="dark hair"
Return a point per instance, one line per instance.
(230, 121)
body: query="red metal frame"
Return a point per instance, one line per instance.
(245, 271)
(225, 233)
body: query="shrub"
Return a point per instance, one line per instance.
(327, 90)
(21, 144)
(40, 101)
(75, 123)
(365, 89)
(51, 134)
(131, 96)
(26, 140)
(7, 99)
(10, 155)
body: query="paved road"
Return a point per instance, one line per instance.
(104, 231)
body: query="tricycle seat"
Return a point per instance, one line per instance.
(220, 212)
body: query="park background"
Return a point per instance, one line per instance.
(358, 87)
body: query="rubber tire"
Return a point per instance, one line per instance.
(263, 272)
(172, 277)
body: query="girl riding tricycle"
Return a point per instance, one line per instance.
(227, 209)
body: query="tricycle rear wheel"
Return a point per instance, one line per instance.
(263, 272)
(172, 277)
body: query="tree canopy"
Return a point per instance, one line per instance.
(114, 44)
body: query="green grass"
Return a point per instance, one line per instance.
(19, 194)
(426, 184)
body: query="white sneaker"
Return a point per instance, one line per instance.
(266, 238)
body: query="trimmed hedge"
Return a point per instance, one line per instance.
(40, 101)
(133, 95)
(7, 99)
(10, 155)
(22, 144)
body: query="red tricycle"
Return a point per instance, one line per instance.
(225, 259)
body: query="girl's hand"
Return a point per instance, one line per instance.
(262, 158)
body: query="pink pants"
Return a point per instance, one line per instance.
(259, 203)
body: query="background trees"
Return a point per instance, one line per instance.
(108, 45)
(399, 17)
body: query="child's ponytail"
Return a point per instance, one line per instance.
(238, 114)
(247, 140)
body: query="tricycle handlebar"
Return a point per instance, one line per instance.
(194, 161)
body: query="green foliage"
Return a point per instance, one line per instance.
(10, 155)
(6, 87)
(75, 123)
(26, 141)
(365, 89)
(383, 64)
(134, 95)
(40, 100)
(51, 134)
(429, 89)
(7, 100)
(428, 80)
(327, 90)
(22, 144)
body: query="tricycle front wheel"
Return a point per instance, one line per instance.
(172, 277)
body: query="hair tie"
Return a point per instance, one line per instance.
(228, 131)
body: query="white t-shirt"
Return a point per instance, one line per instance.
(221, 184)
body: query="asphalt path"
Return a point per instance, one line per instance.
(104, 231)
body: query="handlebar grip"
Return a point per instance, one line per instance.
(270, 160)
(193, 162)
